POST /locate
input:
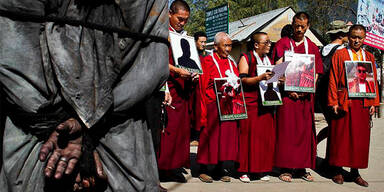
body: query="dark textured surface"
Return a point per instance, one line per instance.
(99, 75)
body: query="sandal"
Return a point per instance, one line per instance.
(244, 178)
(286, 177)
(307, 177)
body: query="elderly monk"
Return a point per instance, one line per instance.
(257, 133)
(295, 138)
(174, 146)
(349, 134)
(219, 140)
(73, 83)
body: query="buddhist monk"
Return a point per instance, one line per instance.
(295, 141)
(219, 139)
(257, 133)
(349, 134)
(174, 142)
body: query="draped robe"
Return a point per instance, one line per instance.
(295, 138)
(219, 139)
(349, 135)
(258, 131)
(174, 143)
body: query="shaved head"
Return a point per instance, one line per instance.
(220, 36)
(222, 44)
(255, 37)
(179, 5)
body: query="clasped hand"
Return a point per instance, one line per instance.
(63, 150)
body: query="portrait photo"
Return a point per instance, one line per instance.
(185, 53)
(300, 73)
(269, 92)
(230, 99)
(360, 79)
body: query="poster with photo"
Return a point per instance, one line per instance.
(269, 92)
(230, 99)
(360, 80)
(185, 52)
(300, 72)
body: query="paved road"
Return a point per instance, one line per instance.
(374, 174)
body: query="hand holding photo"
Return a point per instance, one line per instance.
(185, 53)
(269, 92)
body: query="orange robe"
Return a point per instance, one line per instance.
(348, 141)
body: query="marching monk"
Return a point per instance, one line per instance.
(295, 141)
(348, 141)
(257, 133)
(174, 146)
(219, 139)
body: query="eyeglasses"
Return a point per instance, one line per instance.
(361, 71)
(266, 43)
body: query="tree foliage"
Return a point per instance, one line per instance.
(322, 11)
(238, 9)
(325, 11)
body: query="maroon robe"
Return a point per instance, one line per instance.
(219, 139)
(296, 134)
(349, 135)
(174, 144)
(196, 104)
(257, 133)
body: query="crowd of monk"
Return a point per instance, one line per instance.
(81, 107)
(282, 137)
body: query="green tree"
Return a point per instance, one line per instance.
(238, 9)
(325, 11)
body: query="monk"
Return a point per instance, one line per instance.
(174, 142)
(295, 142)
(257, 133)
(71, 89)
(219, 139)
(349, 134)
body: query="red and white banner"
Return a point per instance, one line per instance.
(370, 13)
(374, 41)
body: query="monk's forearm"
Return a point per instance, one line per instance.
(173, 68)
(250, 81)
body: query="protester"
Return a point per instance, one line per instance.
(257, 132)
(174, 147)
(201, 41)
(74, 117)
(286, 31)
(349, 133)
(295, 140)
(219, 139)
(198, 120)
(338, 33)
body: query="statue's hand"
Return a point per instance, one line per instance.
(98, 181)
(64, 146)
